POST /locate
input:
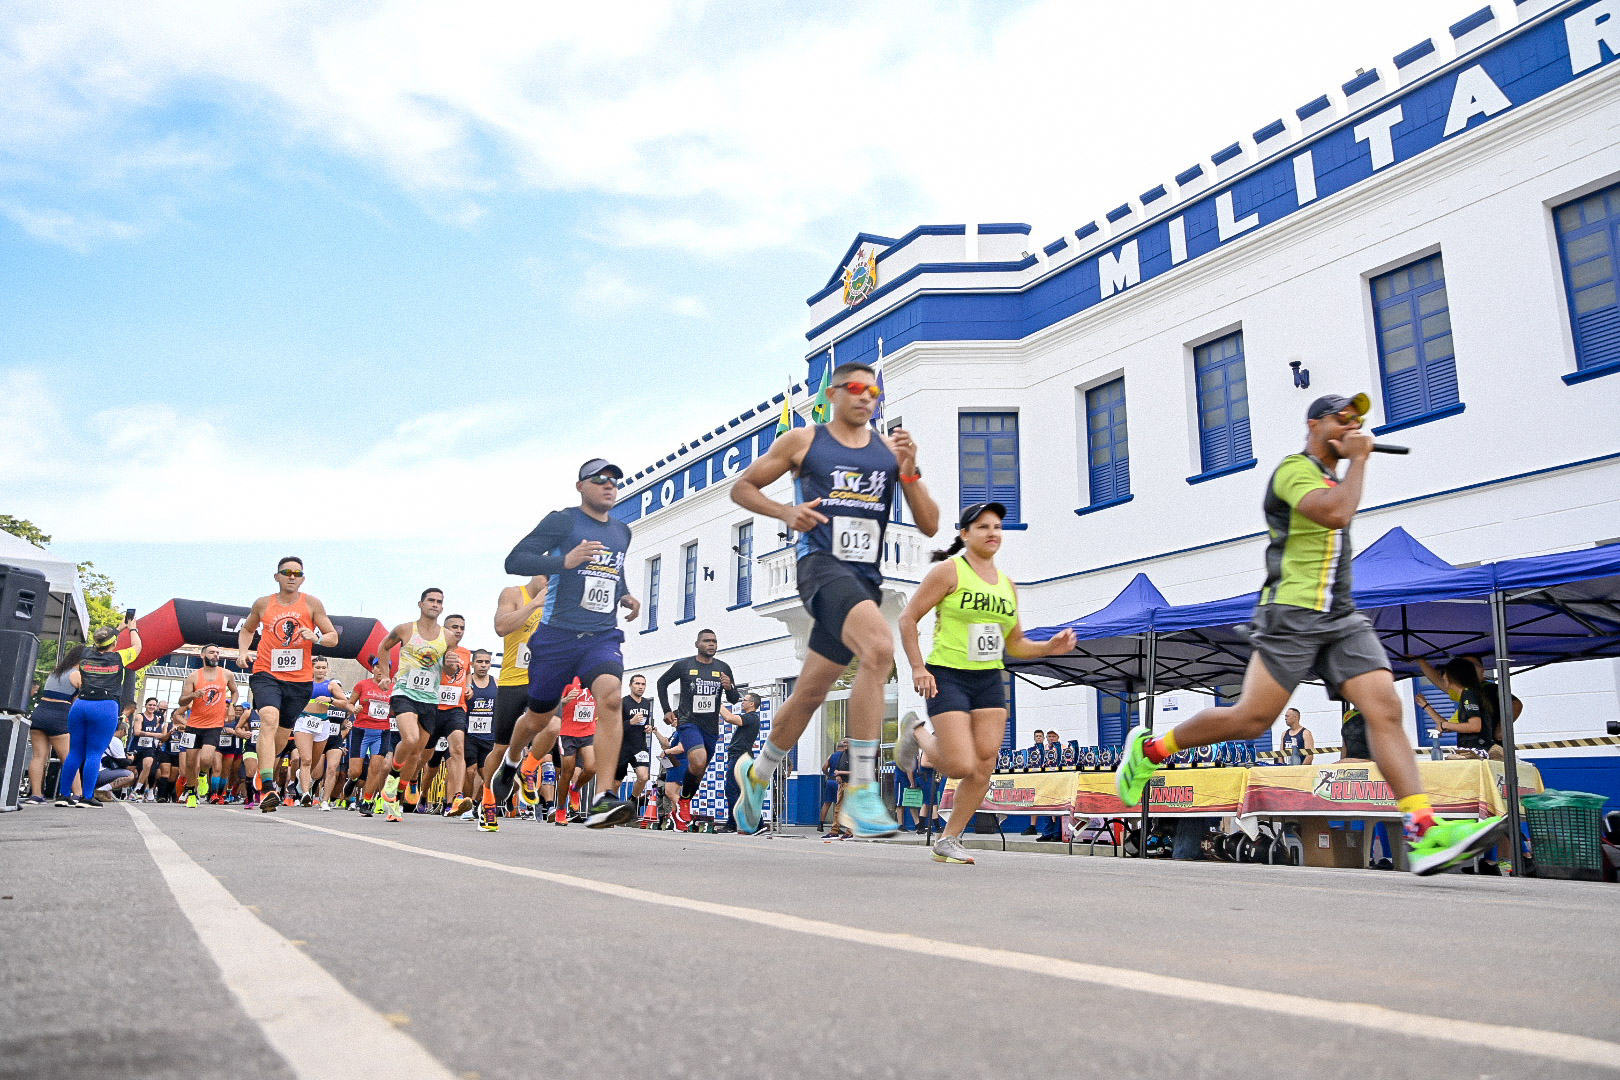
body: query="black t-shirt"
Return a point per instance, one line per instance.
(636, 716)
(1471, 704)
(746, 734)
(701, 690)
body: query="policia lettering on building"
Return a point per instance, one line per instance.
(845, 475)
(289, 624)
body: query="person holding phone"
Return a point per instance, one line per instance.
(98, 680)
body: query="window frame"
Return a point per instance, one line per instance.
(655, 575)
(1208, 469)
(1427, 370)
(689, 566)
(1013, 500)
(1596, 368)
(743, 576)
(1117, 434)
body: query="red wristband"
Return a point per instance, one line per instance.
(912, 479)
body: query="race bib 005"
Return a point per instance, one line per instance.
(855, 539)
(598, 594)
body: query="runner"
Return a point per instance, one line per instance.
(577, 746)
(151, 732)
(450, 727)
(289, 623)
(845, 475)
(329, 766)
(248, 725)
(635, 747)
(482, 691)
(311, 733)
(1306, 624)
(518, 612)
(174, 752)
(231, 741)
(672, 768)
(582, 551)
(703, 680)
(207, 693)
(975, 610)
(744, 735)
(415, 701)
(371, 741)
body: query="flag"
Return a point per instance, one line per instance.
(877, 410)
(821, 407)
(784, 424)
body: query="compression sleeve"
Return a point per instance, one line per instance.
(672, 674)
(127, 656)
(533, 554)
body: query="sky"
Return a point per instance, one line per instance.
(366, 282)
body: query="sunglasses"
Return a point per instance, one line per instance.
(1346, 416)
(601, 478)
(290, 573)
(860, 389)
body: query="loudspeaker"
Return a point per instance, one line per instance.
(19, 652)
(13, 757)
(24, 597)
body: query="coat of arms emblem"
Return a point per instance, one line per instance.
(860, 277)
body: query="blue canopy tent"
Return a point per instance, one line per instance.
(1536, 611)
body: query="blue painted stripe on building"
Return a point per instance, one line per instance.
(1153, 194)
(1004, 228)
(1526, 63)
(1085, 230)
(1056, 246)
(1186, 177)
(1119, 212)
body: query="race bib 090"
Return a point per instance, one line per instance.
(585, 712)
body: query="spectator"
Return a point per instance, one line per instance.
(1353, 735)
(49, 721)
(834, 777)
(1474, 722)
(1494, 692)
(1049, 830)
(116, 773)
(743, 739)
(1297, 740)
(1033, 754)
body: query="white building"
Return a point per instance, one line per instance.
(1439, 232)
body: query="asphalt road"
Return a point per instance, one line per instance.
(320, 944)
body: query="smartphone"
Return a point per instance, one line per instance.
(129, 613)
(893, 424)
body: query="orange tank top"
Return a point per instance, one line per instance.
(453, 691)
(283, 651)
(213, 699)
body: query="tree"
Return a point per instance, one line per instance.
(25, 529)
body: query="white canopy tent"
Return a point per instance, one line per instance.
(62, 575)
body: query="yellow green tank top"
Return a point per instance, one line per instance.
(420, 661)
(973, 621)
(515, 647)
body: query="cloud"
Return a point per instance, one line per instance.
(604, 293)
(149, 474)
(711, 129)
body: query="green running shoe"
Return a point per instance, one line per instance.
(1450, 841)
(1134, 769)
(749, 807)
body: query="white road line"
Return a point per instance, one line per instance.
(1556, 1045)
(323, 1031)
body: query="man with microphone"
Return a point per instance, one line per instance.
(1306, 626)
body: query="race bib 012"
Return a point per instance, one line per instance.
(421, 681)
(855, 539)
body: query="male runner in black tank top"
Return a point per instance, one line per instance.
(846, 474)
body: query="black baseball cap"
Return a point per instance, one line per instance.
(971, 514)
(1332, 403)
(600, 465)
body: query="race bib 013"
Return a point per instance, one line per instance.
(855, 539)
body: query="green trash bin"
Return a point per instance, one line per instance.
(1566, 834)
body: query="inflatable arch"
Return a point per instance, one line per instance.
(198, 622)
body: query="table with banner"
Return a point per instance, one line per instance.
(1344, 791)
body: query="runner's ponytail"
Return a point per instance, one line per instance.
(942, 554)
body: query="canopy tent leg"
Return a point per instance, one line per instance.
(1147, 719)
(1510, 753)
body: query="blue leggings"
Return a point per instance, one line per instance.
(90, 729)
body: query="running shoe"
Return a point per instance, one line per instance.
(529, 785)
(1134, 770)
(364, 806)
(36, 800)
(461, 808)
(269, 801)
(88, 804)
(307, 799)
(391, 811)
(560, 816)
(906, 748)
(1450, 841)
(951, 849)
(749, 809)
(609, 810)
(502, 783)
(864, 814)
(151, 796)
(488, 822)
(326, 806)
(251, 804)
(191, 800)
(65, 800)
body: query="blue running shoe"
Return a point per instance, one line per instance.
(749, 807)
(864, 814)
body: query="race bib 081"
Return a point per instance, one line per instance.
(984, 641)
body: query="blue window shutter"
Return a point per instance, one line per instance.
(1222, 389)
(1588, 240)
(1442, 704)
(689, 585)
(654, 572)
(1115, 716)
(1108, 461)
(987, 461)
(1009, 687)
(1412, 323)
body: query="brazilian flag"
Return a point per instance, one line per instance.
(821, 407)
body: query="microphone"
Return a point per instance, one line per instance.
(1390, 448)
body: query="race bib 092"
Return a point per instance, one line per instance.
(286, 659)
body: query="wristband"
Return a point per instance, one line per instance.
(911, 479)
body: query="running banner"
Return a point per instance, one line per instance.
(198, 622)
(1202, 792)
(1358, 790)
(1023, 793)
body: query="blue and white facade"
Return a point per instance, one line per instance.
(1443, 233)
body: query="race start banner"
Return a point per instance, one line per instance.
(1358, 790)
